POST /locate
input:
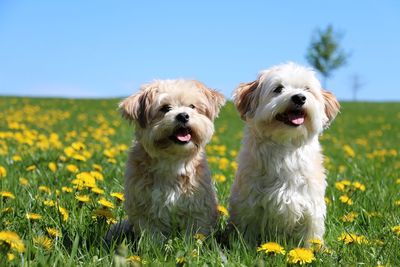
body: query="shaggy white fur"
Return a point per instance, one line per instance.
(168, 186)
(280, 183)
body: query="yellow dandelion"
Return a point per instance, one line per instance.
(222, 210)
(82, 198)
(350, 238)
(72, 168)
(194, 253)
(111, 221)
(78, 146)
(52, 166)
(31, 168)
(397, 202)
(327, 200)
(84, 179)
(44, 242)
(10, 256)
(6, 194)
(23, 181)
(362, 240)
(16, 158)
(398, 181)
(345, 199)
(109, 153)
(64, 213)
(212, 159)
(13, 240)
(33, 216)
(105, 203)
(103, 213)
(97, 175)
(134, 259)
(199, 236)
(234, 165)
(220, 178)
(3, 171)
(349, 151)
(349, 217)
(316, 244)
(112, 161)
(53, 232)
(97, 190)
(300, 256)
(45, 189)
(396, 230)
(223, 163)
(359, 186)
(342, 168)
(118, 195)
(340, 186)
(346, 182)
(271, 248)
(97, 167)
(49, 203)
(8, 209)
(180, 260)
(79, 157)
(67, 189)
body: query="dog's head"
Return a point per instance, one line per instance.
(173, 118)
(286, 104)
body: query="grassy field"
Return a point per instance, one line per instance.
(61, 175)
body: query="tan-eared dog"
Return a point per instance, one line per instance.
(280, 184)
(168, 186)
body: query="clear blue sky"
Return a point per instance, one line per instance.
(100, 48)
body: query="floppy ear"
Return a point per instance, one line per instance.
(244, 98)
(134, 108)
(215, 98)
(332, 106)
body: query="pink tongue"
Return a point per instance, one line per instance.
(297, 119)
(183, 137)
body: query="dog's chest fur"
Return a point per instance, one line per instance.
(165, 197)
(278, 189)
(171, 193)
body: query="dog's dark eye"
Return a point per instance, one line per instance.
(278, 89)
(192, 106)
(165, 108)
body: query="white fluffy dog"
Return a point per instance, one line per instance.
(280, 184)
(168, 186)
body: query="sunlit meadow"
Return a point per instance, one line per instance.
(61, 176)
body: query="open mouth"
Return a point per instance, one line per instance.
(294, 117)
(181, 135)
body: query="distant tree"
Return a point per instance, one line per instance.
(356, 85)
(324, 52)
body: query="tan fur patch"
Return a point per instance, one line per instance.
(244, 98)
(216, 99)
(332, 106)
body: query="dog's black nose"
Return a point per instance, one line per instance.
(299, 99)
(182, 117)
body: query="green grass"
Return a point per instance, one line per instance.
(361, 145)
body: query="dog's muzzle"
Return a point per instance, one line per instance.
(292, 117)
(181, 135)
